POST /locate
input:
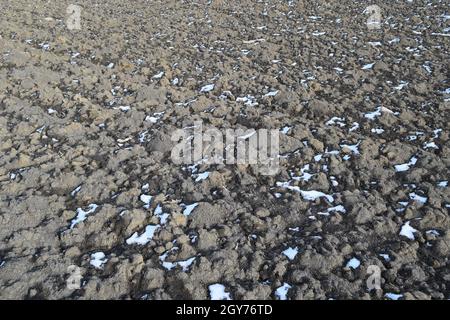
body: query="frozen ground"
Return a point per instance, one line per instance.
(91, 205)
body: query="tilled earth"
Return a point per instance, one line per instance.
(92, 206)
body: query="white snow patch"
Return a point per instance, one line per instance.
(443, 184)
(306, 176)
(98, 259)
(123, 108)
(353, 263)
(290, 253)
(249, 100)
(393, 296)
(355, 126)
(160, 214)
(202, 176)
(146, 199)
(368, 66)
(75, 191)
(271, 93)
(374, 114)
(144, 238)
(415, 197)
(285, 129)
(405, 166)
(217, 292)
(339, 208)
(430, 144)
(207, 88)
(336, 120)
(385, 256)
(185, 264)
(159, 75)
(82, 215)
(310, 195)
(408, 231)
(352, 147)
(281, 292)
(155, 117)
(401, 85)
(377, 130)
(189, 208)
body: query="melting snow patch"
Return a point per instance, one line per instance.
(307, 195)
(217, 292)
(154, 118)
(368, 66)
(281, 292)
(285, 129)
(353, 148)
(185, 264)
(271, 94)
(189, 208)
(144, 238)
(207, 88)
(291, 253)
(123, 108)
(82, 215)
(385, 256)
(393, 296)
(372, 115)
(98, 259)
(431, 144)
(249, 100)
(336, 120)
(160, 214)
(401, 85)
(306, 176)
(355, 126)
(415, 197)
(408, 231)
(146, 199)
(75, 191)
(443, 184)
(353, 263)
(202, 176)
(433, 232)
(159, 75)
(377, 130)
(339, 208)
(405, 166)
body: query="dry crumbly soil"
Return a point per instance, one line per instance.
(86, 118)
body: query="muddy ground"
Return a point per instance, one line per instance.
(92, 206)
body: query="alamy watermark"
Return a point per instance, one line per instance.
(73, 282)
(373, 282)
(214, 146)
(374, 20)
(73, 21)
